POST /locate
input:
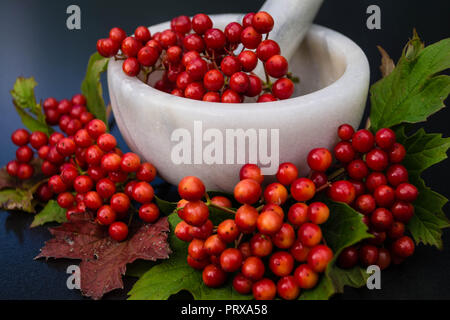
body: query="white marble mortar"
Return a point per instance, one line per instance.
(334, 74)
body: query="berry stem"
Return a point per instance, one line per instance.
(221, 208)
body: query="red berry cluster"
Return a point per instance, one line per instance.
(269, 252)
(379, 189)
(86, 170)
(203, 65)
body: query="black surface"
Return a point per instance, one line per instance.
(35, 41)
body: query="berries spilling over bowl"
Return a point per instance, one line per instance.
(200, 62)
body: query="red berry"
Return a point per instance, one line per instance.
(247, 191)
(43, 152)
(267, 49)
(344, 152)
(250, 38)
(403, 247)
(299, 251)
(319, 179)
(397, 230)
(261, 245)
(143, 192)
(360, 188)
(92, 200)
(196, 249)
(147, 56)
(214, 39)
(221, 201)
(38, 139)
(377, 160)
(266, 97)
(131, 47)
(191, 188)
(357, 169)
(385, 138)
(368, 255)
(56, 184)
(120, 203)
(248, 19)
(363, 140)
(48, 168)
(305, 277)
(345, 132)
(381, 219)
(131, 67)
(12, 168)
(231, 260)
(111, 162)
(50, 103)
(275, 193)
(194, 42)
(230, 65)
(253, 268)
(269, 222)
(182, 231)
(298, 214)
(83, 184)
(281, 263)
(195, 91)
(213, 276)
(105, 188)
(24, 154)
(319, 257)
(255, 86)
(287, 173)
(181, 24)
(118, 231)
(283, 88)
(117, 34)
(402, 211)
(319, 159)
(303, 189)
(251, 171)
(287, 288)
(96, 128)
(310, 234)
(146, 172)
(65, 200)
(214, 245)
(276, 66)
(397, 174)
(242, 284)
(149, 212)
(44, 193)
(201, 22)
(248, 60)
(342, 191)
(198, 264)
(228, 230)
(239, 82)
(262, 22)
(196, 213)
(107, 47)
(202, 232)
(233, 32)
(374, 180)
(384, 196)
(365, 203)
(406, 192)
(231, 96)
(348, 258)
(211, 97)
(213, 80)
(52, 117)
(106, 142)
(64, 107)
(384, 258)
(318, 212)
(246, 218)
(397, 153)
(106, 215)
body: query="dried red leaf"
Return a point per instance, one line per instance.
(103, 260)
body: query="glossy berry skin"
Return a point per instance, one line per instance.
(201, 22)
(344, 152)
(106, 215)
(131, 67)
(239, 82)
(213, 80)
(211, 97)
(130, 162)
(397, 174)
(266, 97)
(276, 66)
(24, 154)
(117, 34)
(143, 192)
(287, 288)
(182, 231)
(381, 219)
(196, 213)
(25, 171)
(319, 159)
(261, 245)
(345, 132)
(83, 184)
(118, 231)
(231, 96)
(147, 56)
(299, 251)
(196, 249)
(397, 153)
(305, 277)
(403, 247)
(248, 19)
(365, 203)
(269, 222)
(402, 211)
(248, 60)
(397, 230)
(318, 212)
(246, 218)
(281, 263)
(107, 47)
(385, 138)
(231, 260)
(377, 160)
(65, 200)
(247, 191)
(384, 196)
(202, 232)
(310, 234)
(374, 180)
(266, 49)
(342, 191)
(110, 162)
(38, 139)
(197, 264)
(120, 203)
(244, 248)
(287, 173)
(357, 169)
(233, 32)
(228, 230)
(253, 268)
(105, 188)
(298, 214)
(146, 172)
(12, 167)
(264, 289)
(319, 257)
(303, 189)
(194, 91)
(275, 193)
(181, 24)
(384, 258)
(242, 284)
(92, 200)
(285, 237)
(221, 201)
(319, 179)
(363, 141)
(230, 65)
(214, 246)
(348, 258)
(406, 192)
(262, 22)
(250, 38)
(214, 38)
(251, 171)
(197, 69)
(283, 88)
(191, 188)
(368, 255)
(254, 87)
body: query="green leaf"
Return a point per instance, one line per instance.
(52, 212)
(422, 151)
(413, 90)
(25, 103)
(173, 275)
(91, 86)
(344, 228)
(17, 199)
(164, 206)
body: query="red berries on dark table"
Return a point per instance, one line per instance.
(201, 62)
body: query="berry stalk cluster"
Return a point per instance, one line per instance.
(86, 171)
(204, 64)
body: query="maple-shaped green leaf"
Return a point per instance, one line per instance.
(414, 89)
(422, 151)
(91, 86)
(173, 275)
(52, 212)
(29, 111)
(344, 228)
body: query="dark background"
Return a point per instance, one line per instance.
(35, 42)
